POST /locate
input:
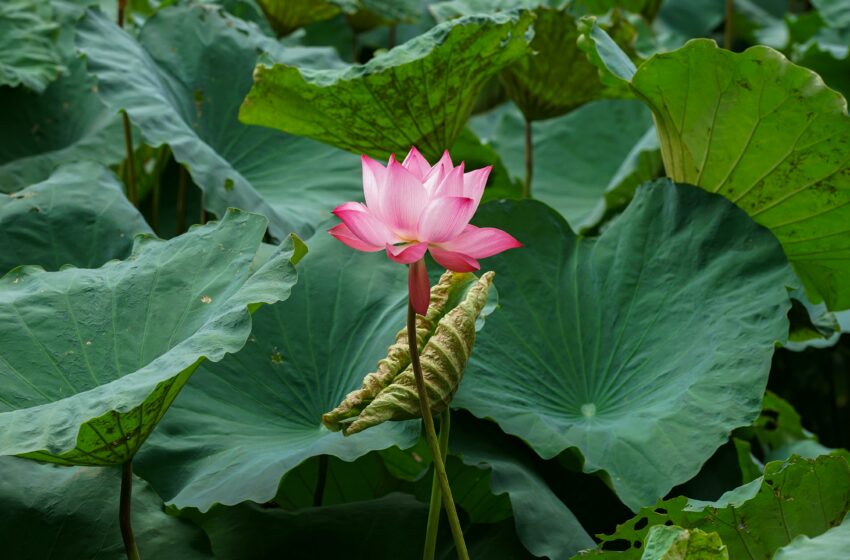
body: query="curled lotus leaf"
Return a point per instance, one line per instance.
(445, 336)
(767, 135)
(286, 16)
(541, 88)
(420, 93)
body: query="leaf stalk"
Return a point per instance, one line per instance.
(529, 159)
(125, 511)
(431, 436)
(436, 493)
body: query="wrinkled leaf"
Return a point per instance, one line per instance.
(92, 358)
(556, 76)
(189, 98)
(798, 497)
(419, 93)
(767, 135)
(302, 358)
(633, 347)
(79, 216)
(29, 51)
(445, 337)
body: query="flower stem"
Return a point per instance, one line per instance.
(131, 161)
(431, 436)
(436, 493)
(727, 28)
(529, 160)
(124, 511)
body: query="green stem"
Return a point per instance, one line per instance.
(529, 159)
(131, 161)
(156, 201)
(181, 200)
(124, 511)
(727, 28)
(202, 219)
(122, 5)
(436, 493)
(431, 436)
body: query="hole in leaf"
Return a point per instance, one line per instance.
(641, 523)
(617, 545)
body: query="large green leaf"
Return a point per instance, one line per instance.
(78, 216)
(92, 358)
(189, 98)
(65, 123)
(257, 414)
(68, 513)
(587, 163)
(644, 347)
(29, 52)
(770, 137)
(419, 93)
(798, 497)
(828, 546)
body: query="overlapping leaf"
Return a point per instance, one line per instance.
(79, 216)
(636, 347)
(29, 52)
(65, 123)
(92, 358)
(831, 544)
(556, 76)
(288, 15)
(770, 137)
(189, 98)
(63, 513)
(420, 93)
(798, 497)
(258, 414)
(587, 163)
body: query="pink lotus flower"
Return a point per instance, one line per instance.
(413, 207)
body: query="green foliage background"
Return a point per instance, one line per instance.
(665, 375)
